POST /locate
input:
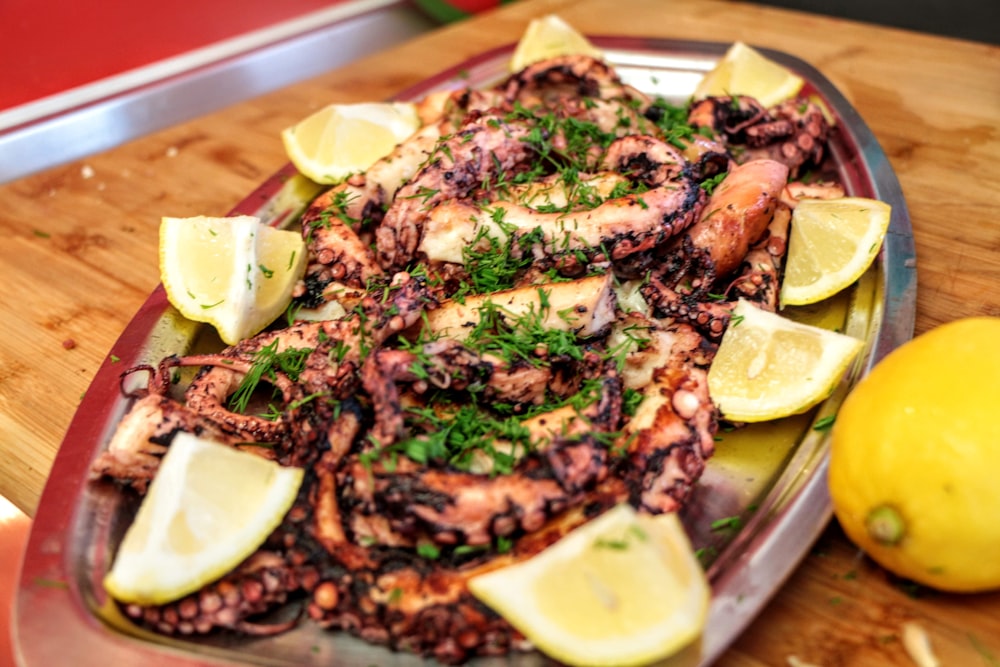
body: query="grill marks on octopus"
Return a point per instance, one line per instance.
(446, 432)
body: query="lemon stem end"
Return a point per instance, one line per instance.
(885, 525)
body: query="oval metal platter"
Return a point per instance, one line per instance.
(759, 507)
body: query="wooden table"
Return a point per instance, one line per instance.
(79, 253)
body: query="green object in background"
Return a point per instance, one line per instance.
(448, 11)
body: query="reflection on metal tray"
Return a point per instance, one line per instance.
(771, 476)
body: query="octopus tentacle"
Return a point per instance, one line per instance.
(795, 191)
(483, 148)
(448, 364)
(553, 192)
(392, 597)
(341, 345)
(613, 230)
(328, 524)
(794, 132)
(454, 506)
(759, 280)
(443, 364)
(569, 76)
(796, 135)
(334, 351)
(672, 434)
(144, 435)
(262, 583)
(644, 158)
(336, 251)
(220, 376)
(729, 117)
(736, 215)
(710, 317)
(334, 225)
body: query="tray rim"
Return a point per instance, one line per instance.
(46, 593)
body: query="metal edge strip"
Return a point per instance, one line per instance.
(184, 62)
(168, 93)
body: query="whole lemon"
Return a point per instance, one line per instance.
(915, 458)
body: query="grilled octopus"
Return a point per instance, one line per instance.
(442, 439)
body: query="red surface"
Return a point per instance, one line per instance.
(50, 46)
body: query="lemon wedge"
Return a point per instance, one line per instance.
(342, 139)
(745, 71)
(236, 274)
(623, 589)
(832, 242)
(208, 508)
(548, 37)
(768, 366)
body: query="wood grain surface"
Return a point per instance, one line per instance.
(79, 258)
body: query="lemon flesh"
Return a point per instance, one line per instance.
(623, 589)
(343, 139)
(914, 457)
(745, 71)
(768, 366)
(832, 242)
(548, 37)
(236, 273)
(208, 508)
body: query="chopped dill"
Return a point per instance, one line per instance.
(267, 363)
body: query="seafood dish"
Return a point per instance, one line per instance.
(504, 329)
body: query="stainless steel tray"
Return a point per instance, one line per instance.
(773, 477)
